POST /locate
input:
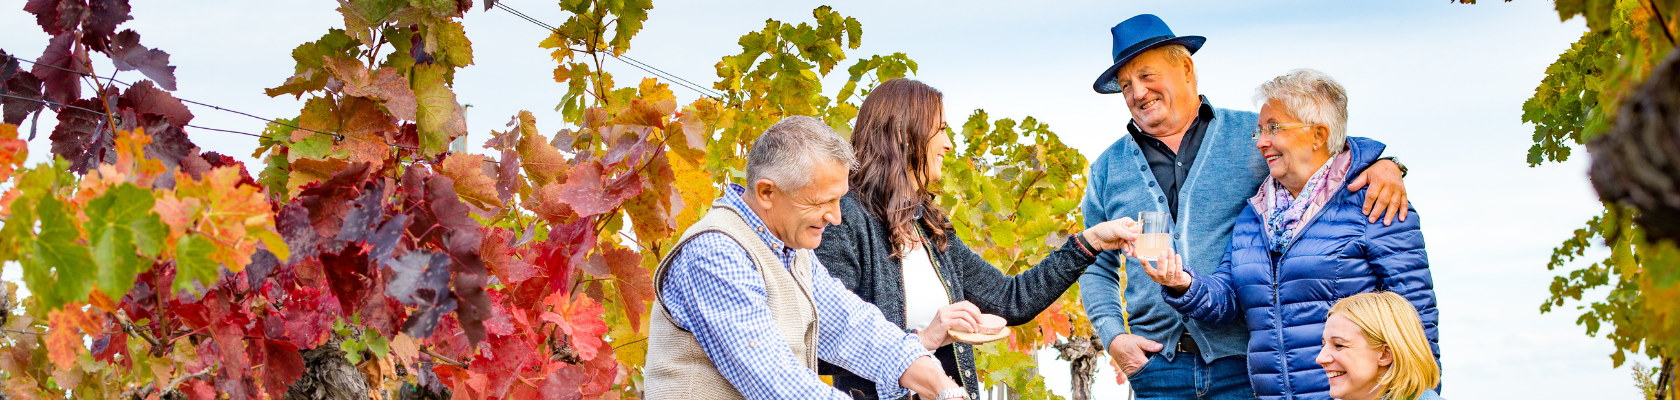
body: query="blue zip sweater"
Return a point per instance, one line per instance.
(1285, 297)
(1227, 170)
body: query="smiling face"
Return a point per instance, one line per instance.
(1160, 94)
(938, 145)
(1352, 364)
(1293, 152)
(798, 217)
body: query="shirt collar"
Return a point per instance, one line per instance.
(1203, 114)
(732, 197)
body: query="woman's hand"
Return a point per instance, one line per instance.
(1170, 272)
(1114, 235)
(937, 334)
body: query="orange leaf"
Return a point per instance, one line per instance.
(470, 182)
(542, 162)
(64, 343)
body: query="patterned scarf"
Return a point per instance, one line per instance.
(1287, 214)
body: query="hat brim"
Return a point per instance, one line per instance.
(1108, 83)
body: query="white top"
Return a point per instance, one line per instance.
(924, 293)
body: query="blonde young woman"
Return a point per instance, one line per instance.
(1374, 348)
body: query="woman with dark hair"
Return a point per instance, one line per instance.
(896, 248)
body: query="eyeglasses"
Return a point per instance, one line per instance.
(1271, 130)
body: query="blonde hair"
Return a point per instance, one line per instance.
(1389, 320)
(1312, 97)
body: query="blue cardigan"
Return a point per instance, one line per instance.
(1227, 170)
(1285, 297)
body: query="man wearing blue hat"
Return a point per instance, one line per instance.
(1184, 157)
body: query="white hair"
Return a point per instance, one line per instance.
(1312, 97)
(788, 152)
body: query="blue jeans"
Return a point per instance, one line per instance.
(1188, 377)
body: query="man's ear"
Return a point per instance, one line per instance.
(764, 190)
(1190, 71)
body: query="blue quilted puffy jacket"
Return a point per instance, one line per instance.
(1285, 297)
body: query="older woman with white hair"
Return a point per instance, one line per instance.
(1302, 244)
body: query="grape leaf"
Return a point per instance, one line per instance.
(473, 186)
(653, 212)
(193, 262)
(384, 241)
(364, 213)
(498, 255)
(542, 162)
(57, 16)
(56, 267)
(421, 279)
(127, 54)
(61, 69)
(347, 276)
(23, 97)
(438, 115)
(308, 316)
(85, 138)
(293, 224)
(283, 365)
(588, 194)
(64, 340)
(123, 234)
(102, 20)
(582, 323)
(146, 99)
(453, 47)
(386, 84)
(13, 151)
(506, 358)
(310, 74)
(633, 281)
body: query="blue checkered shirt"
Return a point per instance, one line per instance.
(713, 290)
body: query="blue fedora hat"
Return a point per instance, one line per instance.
(1135, 36)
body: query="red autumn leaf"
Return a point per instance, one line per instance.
(584, 326)
(421, 279)
(102, 20)
(347, 276)
(633, 281)
(55, 66)
(199, 389)
(283, 365)
(309, 315)
(564, 383)
(501, 364)
(127, 54)
(588, 193)
(499, 256)
(653, 212)
(146, 99)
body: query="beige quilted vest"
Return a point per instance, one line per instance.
(677, 368)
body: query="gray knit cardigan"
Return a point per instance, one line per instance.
(858, 253)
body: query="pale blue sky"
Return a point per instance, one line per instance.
(1441, 83)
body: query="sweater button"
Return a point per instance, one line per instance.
(1134, 152)
(1160, 199)
(1151, 183)
(1143, 168)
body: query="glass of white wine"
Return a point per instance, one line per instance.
(1157, 234)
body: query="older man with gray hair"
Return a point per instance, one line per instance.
(744, 309)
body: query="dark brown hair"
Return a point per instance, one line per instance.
(890, 139)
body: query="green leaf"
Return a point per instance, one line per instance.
(57, 269)
(453, 47)
(192, 261)
(121, 227)
(439, 115)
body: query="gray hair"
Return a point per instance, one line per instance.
(1312, 97)
(788, 151)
